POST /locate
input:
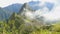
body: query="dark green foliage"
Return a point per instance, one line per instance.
(18, 26)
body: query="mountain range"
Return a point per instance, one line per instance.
(35, 5)
(27, 10)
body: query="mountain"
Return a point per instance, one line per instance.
(3, 14)
(16, 7)
(23, 16)
(28, 9)
(25, 8)
(35, 5)
(13, 8)
(12, 17)
(23, 11)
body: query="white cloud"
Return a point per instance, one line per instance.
(29, 15)
(56, 2)
(54, 14)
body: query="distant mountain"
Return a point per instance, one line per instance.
(35, 5)
(3, 14)
(13, 8)
(27, 9)
(16, 7)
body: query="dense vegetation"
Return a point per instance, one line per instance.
(17, 25)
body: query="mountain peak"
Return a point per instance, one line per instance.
(25, 7)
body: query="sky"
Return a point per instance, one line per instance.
(54, 14)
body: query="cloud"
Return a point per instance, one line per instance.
(54, 14)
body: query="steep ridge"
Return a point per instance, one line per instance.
(25, 7)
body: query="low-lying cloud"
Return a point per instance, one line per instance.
(54, 14)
